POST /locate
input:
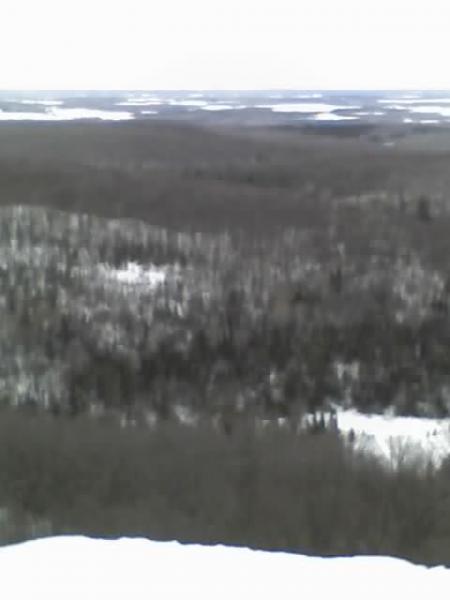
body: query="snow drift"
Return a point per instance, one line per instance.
(77, 567)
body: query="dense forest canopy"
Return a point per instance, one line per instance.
(154, 276)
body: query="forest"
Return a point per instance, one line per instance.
(185, 310)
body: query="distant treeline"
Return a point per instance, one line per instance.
(257, 180)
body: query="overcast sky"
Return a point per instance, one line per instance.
(224, 44)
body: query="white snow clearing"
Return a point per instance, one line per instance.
(66, 114)
(88, 113)
(429, 109)
(398, 439)
(307, 107)
(423, 109)
(217, 107)
(198, 103)
(72, 568)
(415, 100)
(309, 96)
(332, 117)
(135, 274)
(142, 102)
(42, 102)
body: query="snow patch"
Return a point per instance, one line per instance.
(42, 102)
(143, 102)
(310, 96)
(194, 103)
(428, 109)
(217, 107)
(24, 116)
(332, 117)
(66, 114)
(306, 107)
(395, 438)
(134, 274)
(444, 111)
(89, 113)
(75, 567)
(415, 100)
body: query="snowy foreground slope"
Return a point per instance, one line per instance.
(81, 568)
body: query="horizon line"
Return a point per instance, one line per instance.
(229, 90)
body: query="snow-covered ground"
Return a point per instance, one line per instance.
(332, 117)
(188, 102)
(306, 107)
(66, 114)
(309, 96)
(443, 111)
(398, 438)
(217, 107)
(72, 568)
(141, 100)
(43, 102)
(437, 107)
(415, 100)
(135, 274)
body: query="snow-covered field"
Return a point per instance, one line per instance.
(66, 114)
(217, 107)
(320, 107)
(332, 117)
(141, 102)
(398, 438)
(443, 111)
(43, 102)
(135, 274)
(74, 568)
(305, 107)
(415, 100)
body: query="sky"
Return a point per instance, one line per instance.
(76, 568)
(224, 44)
